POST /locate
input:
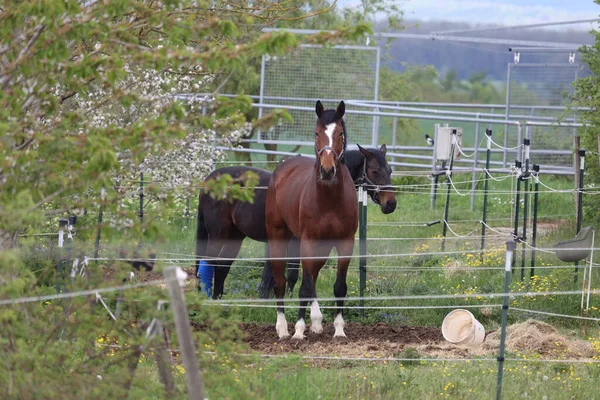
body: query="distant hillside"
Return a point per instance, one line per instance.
(470, 58)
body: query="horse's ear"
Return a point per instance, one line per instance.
(341, 109)
(319, 108)
(383, 149)
(364, 151)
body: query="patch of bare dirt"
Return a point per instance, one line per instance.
(363, 340)
(381, 340)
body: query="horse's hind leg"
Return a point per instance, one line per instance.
(293, 264)
(229, 251)
(344, 250)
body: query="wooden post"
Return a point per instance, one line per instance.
(163, 361)
(184, 334)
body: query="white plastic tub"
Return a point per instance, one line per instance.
(461, 327)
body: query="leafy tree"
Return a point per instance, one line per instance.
(86, 99)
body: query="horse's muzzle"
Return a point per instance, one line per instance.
(327, 174)
(388, 207)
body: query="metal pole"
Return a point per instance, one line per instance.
(394, 137)
(579, 199)
(510, 247)
(100, 212)
(62, 224)
(375, 138)
(506, 115)
(488, 133)
(141, 214)
(526, 187)
(517, 201)
(434, 170)
(475, 161)
(536, 172)
(362, 234)
(448, 184)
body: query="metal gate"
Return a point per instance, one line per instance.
(314, 72)
(542, 91)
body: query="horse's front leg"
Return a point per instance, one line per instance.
(310, 269)
(277, 251)
(344, 250)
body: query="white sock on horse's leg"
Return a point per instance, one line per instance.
(339, 326)
(316, 318)
(281, 326)
(300, 328)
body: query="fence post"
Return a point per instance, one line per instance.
(525, 176)
(434, 171)
(362, 244)
(475, 162)
(517, 201)
(448, 184)
(394, 138)
(510, 247)
(182, 327)
(488, 133)
(579, 200)
(536, 187)
(100, 212)
(62, 224)
(141, 213)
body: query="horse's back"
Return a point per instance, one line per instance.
(222, 216)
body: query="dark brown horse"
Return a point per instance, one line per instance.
(315, 202)
(223, 225)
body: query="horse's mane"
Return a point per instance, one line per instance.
(330, 117)
(355, 158)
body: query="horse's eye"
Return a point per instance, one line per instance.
(316, 133)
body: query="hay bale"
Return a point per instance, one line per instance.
(534, 336)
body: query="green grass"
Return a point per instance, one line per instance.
(297, 378)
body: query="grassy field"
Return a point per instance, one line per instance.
(405, 259)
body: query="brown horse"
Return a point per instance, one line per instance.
(316, 203)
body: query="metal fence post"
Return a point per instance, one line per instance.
(510, 247)
(488, 133)
(362, 235)
(579, 200)
(475, 162)
(448, 184)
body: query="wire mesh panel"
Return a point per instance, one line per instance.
(543, 91)
(330, 74)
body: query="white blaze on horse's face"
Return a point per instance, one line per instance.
(329, 129)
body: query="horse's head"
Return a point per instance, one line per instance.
(377, 175)
(330, 140)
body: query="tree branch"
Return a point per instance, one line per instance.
(36, 35)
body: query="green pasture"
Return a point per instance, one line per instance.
(405, 259)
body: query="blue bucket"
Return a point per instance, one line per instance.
(206, 273)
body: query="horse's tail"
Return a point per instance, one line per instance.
(201, 236)
(267, 284)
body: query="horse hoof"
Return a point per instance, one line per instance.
(340, 339)
(298, 338)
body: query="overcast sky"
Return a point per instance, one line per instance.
(506, 12)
